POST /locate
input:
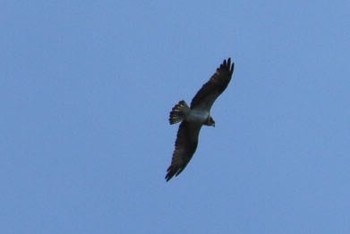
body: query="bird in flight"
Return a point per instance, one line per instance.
(193, 117)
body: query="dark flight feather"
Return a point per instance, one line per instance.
(185, 146)
(218, 82)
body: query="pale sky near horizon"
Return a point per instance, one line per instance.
(86, 88)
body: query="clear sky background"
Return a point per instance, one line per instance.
(86, 88)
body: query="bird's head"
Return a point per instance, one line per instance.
(210, 122)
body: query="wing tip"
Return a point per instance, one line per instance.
(173, 171)
(227, 63)
(170, 173)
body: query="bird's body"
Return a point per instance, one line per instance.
(197, 116)
(194, 117)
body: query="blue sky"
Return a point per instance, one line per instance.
(86, 88)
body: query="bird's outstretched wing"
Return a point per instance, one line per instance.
(185, 146)
(218, 82)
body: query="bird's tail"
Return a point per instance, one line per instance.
(179, 112)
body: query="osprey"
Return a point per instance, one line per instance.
(194, 117)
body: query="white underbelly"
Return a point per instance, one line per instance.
(197, 116)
